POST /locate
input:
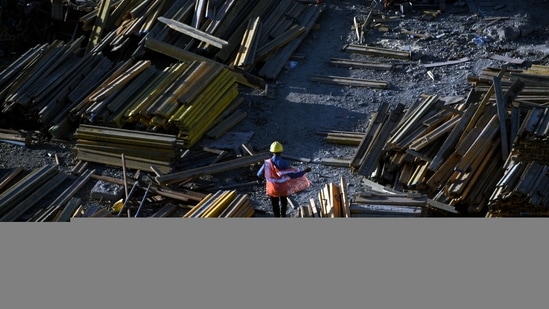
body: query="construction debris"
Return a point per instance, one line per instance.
(487, 153)
(456, 154)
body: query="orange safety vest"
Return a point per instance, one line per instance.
(278, 183)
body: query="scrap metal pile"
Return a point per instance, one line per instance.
(163, 66)
(115, 95)
(487, 152)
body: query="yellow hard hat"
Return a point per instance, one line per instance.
(276, 147)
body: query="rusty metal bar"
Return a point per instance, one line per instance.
(348, 81)
(143, 200)
(36, 196)
(211, 169)
(64, 197)
(19, 191)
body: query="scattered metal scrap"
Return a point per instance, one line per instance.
(457, 154)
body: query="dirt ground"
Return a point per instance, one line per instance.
(295, 109)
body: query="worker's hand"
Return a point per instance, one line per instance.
(308, 169)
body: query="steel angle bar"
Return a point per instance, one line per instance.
(291, 34)
(219, 205)
(347, 81)
(17, 192)
(64, 197)
(9, 177)
(149, 153)
(143, 200)
(361, 64)
(114, 160)
(228, 123)
(37, 195)
(212, 169)
(248, 46)
(117, 135)
(127, 199)
(378, 51)
(193, 32)
(206, 103)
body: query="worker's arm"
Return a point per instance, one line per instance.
(282, 165)
(261, 170)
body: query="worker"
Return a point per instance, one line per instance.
(281, 179)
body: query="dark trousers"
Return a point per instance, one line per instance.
(279, 210)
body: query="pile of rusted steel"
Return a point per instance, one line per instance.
(485, 153)
(56, 197)
(164, 66)
(141, 149)
(184, 99)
